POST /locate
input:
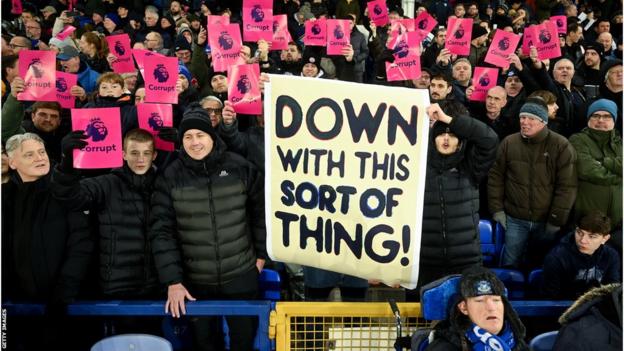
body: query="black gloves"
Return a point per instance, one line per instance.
(73, 140)
(168, 134)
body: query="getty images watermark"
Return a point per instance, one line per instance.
(3, 328)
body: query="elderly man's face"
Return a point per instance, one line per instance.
(72, 65)
(33, 29)
(614, 76)
(30, 160)
(424, 81)
(461, 71)
(139, 96)
(214, 110)
(495, 100)
(487, 312)
(605, 39)
(563, 71)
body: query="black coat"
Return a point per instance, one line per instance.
(59, 244)
(207, 220)
(450, 228)
(127, 110)
(594, 322)
(249, 144)
(121, 200)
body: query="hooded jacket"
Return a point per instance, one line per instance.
(207, 220)
(450, 235)
(593, 322)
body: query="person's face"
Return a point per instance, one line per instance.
(439, 89)
(576, 35)
(26, 16)
(605, 39)
(552, 110)
(150, 19)
(6, 49)
(473, 10)
(139, 96)
(446, 143)
(461, 71)
(46, 119)
(309, 70)
(72, 65)
(197, 143)
(164, 23)
(424, 81)
(110, 89)
(130, 81)
(495, 100)
(601, 120)
(139, 156)
(85, 46)
(17, 44)
(33, 29)
(30, 160)
(293, 54)
(487, 311)
(592, 58)
(571, 11)
(122, 12)
(440, 38)
(604, 26)
(195, 24)
(460, 11)
(97, 18)
(219, 84)
(184, 56)
(563, 72)
(151, 42)
(175, 8)
(513, 85)
(393, 16)
(529, 126)
(588, 242)
(614, 76)
(214, 110)
(109, 24)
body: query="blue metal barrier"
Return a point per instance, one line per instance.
(261, 309)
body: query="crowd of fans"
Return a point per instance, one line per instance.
(541, 156)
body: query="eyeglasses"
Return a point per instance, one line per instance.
(13, 46)
(596, 116)
(216, 111)
(581, 233)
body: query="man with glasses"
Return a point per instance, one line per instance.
(19, 43)
(599, 162)
(581, 261)
(214, 108)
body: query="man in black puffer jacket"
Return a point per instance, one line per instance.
(208, 230)
(121, 200)
(462, 150)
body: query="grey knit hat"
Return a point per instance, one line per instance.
(535, 108)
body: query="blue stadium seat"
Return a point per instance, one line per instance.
(270, 285)
(133, 342)
(499, 241)
(488, 244)
(534, 283)
(544, 342)
(513, 280)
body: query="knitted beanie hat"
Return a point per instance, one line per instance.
(603, 105)
(534, 108)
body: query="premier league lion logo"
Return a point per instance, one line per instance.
(155, 121)
(37, 67)
(61, 85)
(559, 22)
(96, 129)
(544, 36)
(338, 33)
(316, 29)
(504, 44)
(244, 84)
(423, 24)
(160, 73)
(275, 26)
(377, 10)
(484, 81)
(459, 33)
(225, 41)
(119, 48)
(257, 14)
(401, 49)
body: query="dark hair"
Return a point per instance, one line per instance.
(443, 76)
(52, 105)
(545, 95)
(572, 27)
(596, 222)
(8, 61)
(453, 108)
